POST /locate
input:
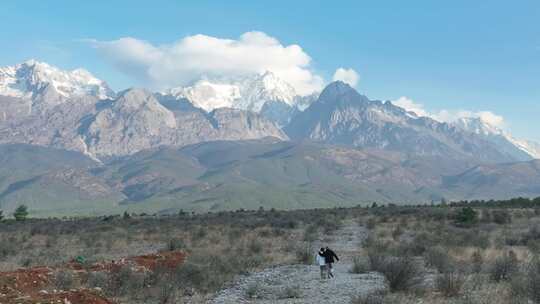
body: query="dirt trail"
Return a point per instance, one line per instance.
(275, 285)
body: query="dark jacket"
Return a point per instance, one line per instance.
(329, 256)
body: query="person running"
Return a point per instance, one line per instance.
(321, 261)
(329, 258)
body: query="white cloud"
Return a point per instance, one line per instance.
(449, 115)
(199, 56)
(409, 105)
(348, 76)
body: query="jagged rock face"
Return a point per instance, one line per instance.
(235, 124)
(56, 127)
(137, 121)
(134, 121)
(43, 105)
(279, 112)
(12, 108)
(342, 116)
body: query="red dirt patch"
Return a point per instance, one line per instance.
(24, 281)
(32, 285)
(169, 260)
(81, 296)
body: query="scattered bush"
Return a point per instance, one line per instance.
(533, 281)
(519, 288)
(402, 274)
(438, 258)
(477, 261)
(360, 265)
(291, 292)
(371, 223)
(397, 232)
(255, 247)
(63, 280)
(504, 267)
(501, 217)
(449, 284)
(310, 233)
(305, 255)
(97, 279)
(8, 247)
(253, 291)
(377, 254)
(176, 244)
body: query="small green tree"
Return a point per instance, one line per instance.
(21, 213)
(1, 215)
(467, 216)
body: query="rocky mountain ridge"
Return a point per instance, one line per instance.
(73, 110)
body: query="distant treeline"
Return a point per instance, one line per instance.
(519, 202)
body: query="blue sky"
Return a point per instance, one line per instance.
(451, 55)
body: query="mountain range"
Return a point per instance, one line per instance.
(70, 143)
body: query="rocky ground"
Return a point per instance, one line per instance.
(302, 283)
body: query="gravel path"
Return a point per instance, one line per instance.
(302, 283)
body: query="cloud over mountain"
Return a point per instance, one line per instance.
(449, 115)
(198, 56)
(348, 76)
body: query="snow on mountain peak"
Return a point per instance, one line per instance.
(28, 79)
(478, 126)
(246, 93)
(481, 127)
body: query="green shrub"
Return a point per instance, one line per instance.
(466, 216)
(21, 213)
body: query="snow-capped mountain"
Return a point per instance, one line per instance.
(518, 148)
(32, 78)
(341, 116)
(73, 110)
(263, 93)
